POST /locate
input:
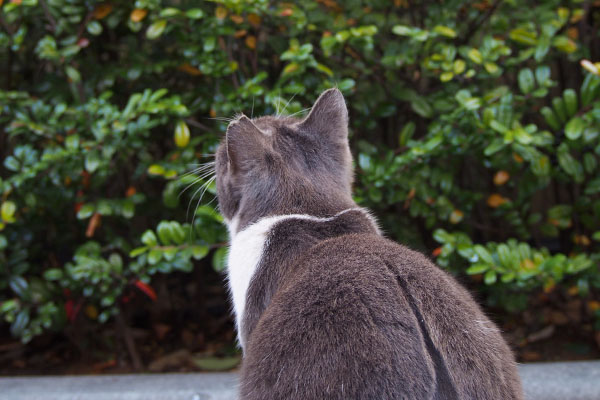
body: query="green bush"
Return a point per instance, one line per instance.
(475, 129)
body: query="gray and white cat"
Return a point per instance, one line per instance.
(325, 306)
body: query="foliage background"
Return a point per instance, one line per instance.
(475, 128)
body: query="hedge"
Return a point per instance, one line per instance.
(475, 129)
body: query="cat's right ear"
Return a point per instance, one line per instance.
(245, 144)
(328, 116)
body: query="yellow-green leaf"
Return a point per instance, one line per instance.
(459, 66)
(475, 56)
(291, 67)
(156, 29)
(446, 76)
(7, 211)
(565, 44)
(325, 69)
(445, 31)
(156, 169)
(491, 67)
(182, 134)
(523, 36)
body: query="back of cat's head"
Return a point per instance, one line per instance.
(277, 165)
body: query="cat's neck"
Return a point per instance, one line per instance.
(267, 223)
(263, 254)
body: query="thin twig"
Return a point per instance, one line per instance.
(197, 124)
(129, 342)
(6, 26)
(474, 26)
(49, 15)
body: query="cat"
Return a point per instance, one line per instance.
(325, 306)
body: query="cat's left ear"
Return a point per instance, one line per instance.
(328, 117)
(245, 143)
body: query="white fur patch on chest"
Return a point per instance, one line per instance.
(246, 251)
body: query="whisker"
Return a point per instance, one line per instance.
(189, 186)
(220, 119)
(206, 175)
(206, 185)
(202, 165)
(197, 170)
(187, 212)
(299, 112)
(288, 102)
(252, 112)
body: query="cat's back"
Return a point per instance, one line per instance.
(367, 318)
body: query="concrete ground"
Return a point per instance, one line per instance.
(552, 381)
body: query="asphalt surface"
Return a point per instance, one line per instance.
(551, 381)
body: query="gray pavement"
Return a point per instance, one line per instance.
(551, 381)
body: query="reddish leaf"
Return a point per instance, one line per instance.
(72, 309)
(93, 225)
(147, 289)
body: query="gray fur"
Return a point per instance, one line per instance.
(334, 310)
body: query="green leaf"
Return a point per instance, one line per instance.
(154, 256)
(219, 260)
(20, 324)
(421, 107)
(195, 13)
(156, 29)
(407, 132)
(504, 255)
(138, 251)
(589, 89)
(165, 233)
(402, 30)
(589, 163)
(526, 81)
(560, 109)
(542, 75)
(7, 306)
(94, 28)
(570, 165)
(570, 99)
(477, 269)
(483, 254)
(73, 74)
(92, 161)
(490, 277)
(18, 285)
(574, 128)
(53, 274)
(199, 251)
(86, 211)
(149, 238)
(495, 146)
(509, 277)
(217, 364)
(550, 118)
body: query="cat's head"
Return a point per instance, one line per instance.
(283, 165)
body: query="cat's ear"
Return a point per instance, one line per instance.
(328, 117)
(245, 143)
